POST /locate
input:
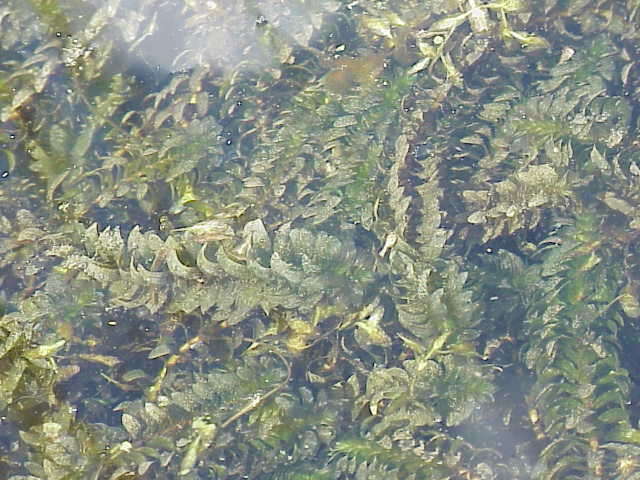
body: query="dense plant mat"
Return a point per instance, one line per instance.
(319, 240)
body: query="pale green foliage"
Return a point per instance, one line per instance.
(184, 273)
(518, 202)
(402, 392)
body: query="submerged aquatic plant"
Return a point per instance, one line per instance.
(403, 246)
